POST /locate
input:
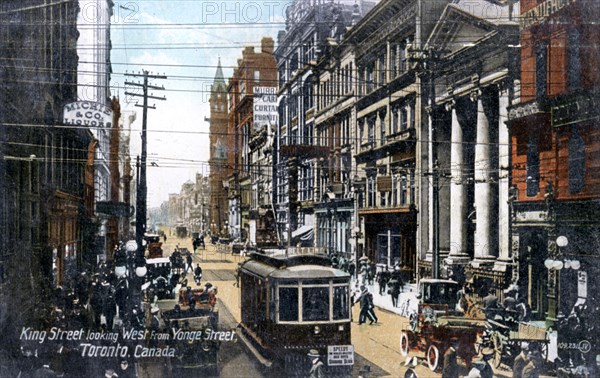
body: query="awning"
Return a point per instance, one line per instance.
(302, 231)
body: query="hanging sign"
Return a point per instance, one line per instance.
(265, 107)
(87, 113)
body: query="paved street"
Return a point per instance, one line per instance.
(375, 345)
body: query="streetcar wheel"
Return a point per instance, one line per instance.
(404, 344)
(433, 357)
(498, 346)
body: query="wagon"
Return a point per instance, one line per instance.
(505, 337)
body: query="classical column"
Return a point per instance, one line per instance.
(503, 182)
(486, 186)
(458, 193)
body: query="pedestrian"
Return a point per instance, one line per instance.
(450, 369)
(190, 263)
(365, 372)
(366, 303)
(45, 372)
(197, 274)
(361, 298)
(394, 285)
(482, 368)
(380, 278)
(490, 304)
(155, 321)
(371, 269)
(317, 367)
(371, 309)
(125, 370)
(165, 237)
(532, 369)
(351, 268)
(520, 361)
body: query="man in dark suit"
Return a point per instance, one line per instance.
(450, 369)
(532, 369)
(520, 361)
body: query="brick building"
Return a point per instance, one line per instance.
(555, 161)
(250, 207)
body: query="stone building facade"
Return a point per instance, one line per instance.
(42, 163)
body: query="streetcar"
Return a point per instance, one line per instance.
(293, 301)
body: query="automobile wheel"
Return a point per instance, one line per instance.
(433, 357)
(404, 344)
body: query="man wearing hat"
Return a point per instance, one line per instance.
(317, 367)
(155, 321)
(486, 368)
(520, 361)
(450, 369)
(532, 369)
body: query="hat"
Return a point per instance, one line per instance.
(487, 352)
(154, 310)
(313, 353)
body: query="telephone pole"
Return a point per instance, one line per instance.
(142, 188)
(426, 60)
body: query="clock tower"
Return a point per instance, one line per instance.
(219, 171)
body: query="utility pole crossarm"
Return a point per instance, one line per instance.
(142, 189)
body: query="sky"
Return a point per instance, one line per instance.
(183, 40)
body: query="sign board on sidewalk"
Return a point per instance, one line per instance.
(339, 355)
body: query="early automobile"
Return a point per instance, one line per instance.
(437, 323)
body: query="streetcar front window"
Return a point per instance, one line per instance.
(341, 305)
(315, 304)
(288, 304)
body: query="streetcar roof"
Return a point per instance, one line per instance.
(308, 271)
(437, 280)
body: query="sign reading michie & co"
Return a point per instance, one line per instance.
(265, 107)
(87, 113)
(542, 11)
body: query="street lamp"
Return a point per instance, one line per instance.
(560, 263)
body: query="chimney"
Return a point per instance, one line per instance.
(267, 45)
